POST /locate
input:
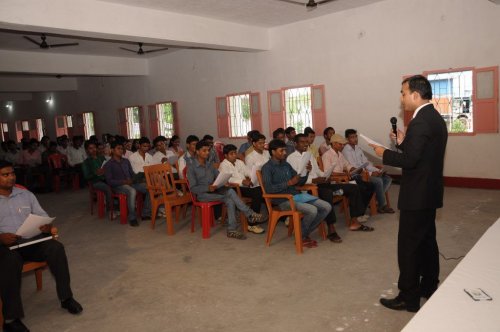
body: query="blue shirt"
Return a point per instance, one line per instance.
(200, 177)
(244, 147)
(275, 175)
(15, 208)
(116, 172)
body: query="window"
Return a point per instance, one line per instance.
(467, 99)
(39, 129)
(297, 107)
(130, 122)
(163, 119)
(25, 125)
(88, 123)
(237, 114)
(4, 127)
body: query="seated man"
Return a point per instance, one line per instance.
(240, 175)
(280, 178)
(201, 174)
(311, 136)
(213, 156)
(162, 155)
(189, 156)
(119, 175)
(93, 172)
(359, 200)
(355, 156)
(76, 155)
(138, 160)
(15, 206)
(245, 146)
(326, 145)
(259, 156)
(290, 142)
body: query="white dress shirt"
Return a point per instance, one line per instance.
(238, 170)
(294, 160)
(255, 158)
(138, 162)
(356, 157)
(158, 156)
(76, 156)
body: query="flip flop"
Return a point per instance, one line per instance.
(309, 244)
(334, 237)
(363, 228)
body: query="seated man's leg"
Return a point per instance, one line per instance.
(240, 205)
(356, 206)
(53, 252)
(141, 187)
(387, 182)
(377, 182)
(130, 192)
(102, 186)
(11, 265)
(324, 209)
(255, 194)
(325, 192)
(308, 210)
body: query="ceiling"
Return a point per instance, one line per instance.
(261, 13)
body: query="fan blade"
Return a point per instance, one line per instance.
(157, 50)
(32, 40)
(63, 45)
(293, 2)
(127, 49)
(323, 2)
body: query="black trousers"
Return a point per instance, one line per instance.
(11, 266)
(365, 188)
(418, 254)
(357, 206)
(255, 194)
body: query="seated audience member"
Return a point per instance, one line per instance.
(259, 155)
(119, 175)
(93, 172)
(240, 175)
(245, 146)
(138, 160)
(127, 145)
(188, 157)
(44, 144)
(334, 157)
(213, 157)
(46, 167)
(290, 143)
(175, 145)
(3, 150)
(355, 156)
(12, 154)
(162, 155)
(279, 134)
(326, 145)
(280, 178)
(201, 174)
(311, 136)
(15, 206)
(76, 155)
(63, 143)
(31, 160)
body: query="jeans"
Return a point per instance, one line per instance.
(131, 193)
(314, 212)
(141, 187)
(232, 201)
(381, 184)
(102, 186)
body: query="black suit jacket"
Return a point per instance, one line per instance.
(422, 160)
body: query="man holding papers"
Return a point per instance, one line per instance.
(15, 206)
(202, 177)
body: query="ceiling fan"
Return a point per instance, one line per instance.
(310, 5)
(140, 51)
(44, 45)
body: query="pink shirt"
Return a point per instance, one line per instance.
(331, 157)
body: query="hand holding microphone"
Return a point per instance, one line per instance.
(396, 134)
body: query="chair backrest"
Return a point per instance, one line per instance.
(20, 186)
(159, 179)
(219, 147)
(57, 161)
(193, 196)
(269, 204)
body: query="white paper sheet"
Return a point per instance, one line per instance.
(253, 174)
(360, 168)
(31, 226)
(306, 158)
(370, 141)
(221, 179)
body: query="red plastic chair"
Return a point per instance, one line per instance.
(58, 164)
(97, 197)
(219, 147)
(207, 213)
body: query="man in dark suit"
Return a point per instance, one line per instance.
(421, 193)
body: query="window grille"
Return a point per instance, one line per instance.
(298, 108)
(239, 115)
(133, 122)
(166, 119)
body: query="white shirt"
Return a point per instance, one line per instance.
(418, 109)
(182, 163)
(238, 171)
(255, 158)
(158, 156)
(76, 156)
(138, 163)
(294, 160)
(356, 157)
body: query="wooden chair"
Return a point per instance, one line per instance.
(275, 214)
(247, 201)
(38, 267)
(162, 190)
(314, 191)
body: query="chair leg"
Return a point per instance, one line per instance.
(322, 230)
(345, 204)
(271, 226)
(206, 220)
(298, 233)
(123, 209)
(373, 206)
(100, 204)
(154, 209)
(170, 223)
(38, 278)
(193, 217)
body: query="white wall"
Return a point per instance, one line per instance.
(360, 55)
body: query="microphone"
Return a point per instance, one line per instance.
(394, 127)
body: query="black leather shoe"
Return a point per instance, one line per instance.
(15, 326)
(72, 306)
(133, 223)
(427, 293)
(398, 304)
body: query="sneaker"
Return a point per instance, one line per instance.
(256, 229)
(256, 218)
(72, 306)
(236, 235)
(363, 218)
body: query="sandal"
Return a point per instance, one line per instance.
(334, 237)
(236, 235)
(308, 243)
(385, 209)
(363, 228)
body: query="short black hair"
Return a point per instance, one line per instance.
(327, 129)
(172, 140)
(350, 132)
(278, 131)
(144, 140)
(299, 136)
(114, 144)
(159, 139)
(5, 163)
(192, 138)
(52, 143)
(208, 137)
(201, 144)
(88, 143)
(258, 137)
(288, 130)
(309, 130)
(419, 84)
(251, 132)
(228, 148)
(276, 144)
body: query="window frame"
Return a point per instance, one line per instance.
(123, 121)
(154, 118)
(224, 118)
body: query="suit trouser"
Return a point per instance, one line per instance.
(418, 254)
(255, 193)
(11, 265)
(357, 206)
